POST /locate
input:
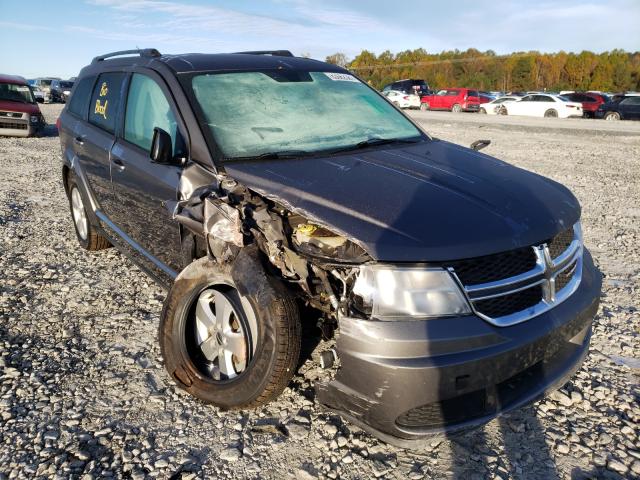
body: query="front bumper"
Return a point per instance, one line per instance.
(403, 381)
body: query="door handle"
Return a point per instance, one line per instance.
(119, 164)
(79, 140)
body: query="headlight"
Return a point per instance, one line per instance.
(35, 119)
(395, 292)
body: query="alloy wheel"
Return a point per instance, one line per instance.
(224, 334)
(79, 213)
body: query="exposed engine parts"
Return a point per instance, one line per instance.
(320, 263)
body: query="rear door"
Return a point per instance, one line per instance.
(543, 103)
(630, 108)
(94, 138)
(142, 188)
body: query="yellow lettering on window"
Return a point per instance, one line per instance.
(104, 89)
(101, 109)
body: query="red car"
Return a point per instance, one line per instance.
(19, 113)
(590, 101)
(453, 99)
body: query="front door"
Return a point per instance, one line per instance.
(142, 188)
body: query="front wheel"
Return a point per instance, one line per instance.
(612, 116)
(551, 113)
(424, 106)
(456, 108)
(483, 111)
(503, 111)
(230, 333)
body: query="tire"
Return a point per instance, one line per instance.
(424, 106)
(88, 236)
(397, 104)
(456, 108)
(269, 326)
(612, 116)
(503, 111)
(551, 113)
(482, 110)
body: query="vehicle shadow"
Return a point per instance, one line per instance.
(49, 130)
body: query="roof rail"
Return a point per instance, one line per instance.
(275, 53)
(144, 52)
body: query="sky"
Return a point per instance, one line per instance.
(57, 38)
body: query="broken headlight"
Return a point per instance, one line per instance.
(317, 241)
(397, 292)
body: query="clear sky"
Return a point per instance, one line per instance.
(58, 37)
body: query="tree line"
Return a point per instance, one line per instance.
(612, 71)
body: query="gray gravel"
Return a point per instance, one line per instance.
(83, 393)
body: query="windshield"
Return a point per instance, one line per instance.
(256, 113)
(16, 93)
(66, 84)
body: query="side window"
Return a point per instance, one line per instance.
(631, 101)
(528, 98)
(103, 110)
(80, 97)
(147, 108)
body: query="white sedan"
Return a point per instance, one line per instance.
(402, 100)
(493, 107)
(542, 105)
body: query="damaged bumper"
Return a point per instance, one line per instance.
(404, 381)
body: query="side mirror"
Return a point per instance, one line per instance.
(480, 144)
(161, 148)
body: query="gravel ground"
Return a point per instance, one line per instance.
(83, 392)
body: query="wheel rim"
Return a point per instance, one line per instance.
(456, 108)
(612, 116)
(79, 213)
(224, 334)
(551, 114)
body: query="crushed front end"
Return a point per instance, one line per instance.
(421, 348)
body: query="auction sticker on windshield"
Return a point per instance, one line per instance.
(342, 77)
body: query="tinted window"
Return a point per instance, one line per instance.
(528, 98)
(103, 110)
(453, 93)
(147, 108)
(80, 97)
(631, 101)
(542, 98)
(472, 93)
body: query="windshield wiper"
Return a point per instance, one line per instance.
(272, 155)
(375, 141)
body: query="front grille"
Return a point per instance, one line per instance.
(507, 304)
(494, 267)
(14, 125)
(560, 242)
(463, 407)
(511, 287)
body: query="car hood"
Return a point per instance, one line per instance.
(8, 105)
(428, 202)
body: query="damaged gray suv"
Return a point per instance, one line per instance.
(255, 185)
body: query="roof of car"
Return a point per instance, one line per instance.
(12, 79)
(201, 62)
(195, 62)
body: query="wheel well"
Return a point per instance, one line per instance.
(66, 172)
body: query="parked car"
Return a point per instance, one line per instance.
(493, 107)
(35, 89)
(459, 285)
(485, 98)
(539, 105)
(590, 101)
(453, 99)
(60, 90)
(408, 86)
(44, 84)
(402, 100)
(19, 112)
(624, 108)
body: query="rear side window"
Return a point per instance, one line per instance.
(103, 110)
(80, 98)
(147, 108)
(472, 93)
